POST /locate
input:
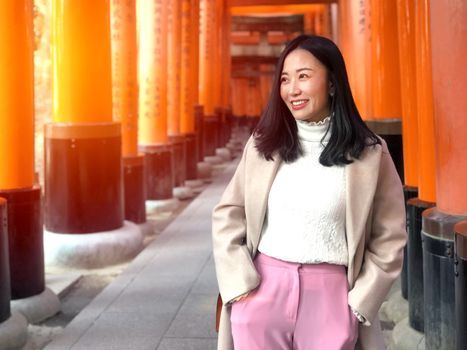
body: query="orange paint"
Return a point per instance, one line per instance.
(16, 95)
(287, 9)
(207, 55)
(449, 49)
(152, 72)
(187, 118)
(426, 134)
(124, 74)
(81, 61)
(227, 61)
(218, 54)
(354, 44)
(195, 33)
(385, 77)
(174, 67)
(407, 43)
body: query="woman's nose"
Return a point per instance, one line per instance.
(294, 89)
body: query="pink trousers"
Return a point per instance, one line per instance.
(296, 306)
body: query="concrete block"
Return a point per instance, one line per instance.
(224, 153)
(183, 192)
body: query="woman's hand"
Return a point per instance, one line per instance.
(240, 297)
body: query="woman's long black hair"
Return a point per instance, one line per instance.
(277, 129)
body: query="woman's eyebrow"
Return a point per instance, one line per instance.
(302, 69)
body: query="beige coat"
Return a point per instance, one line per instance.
(375, 228)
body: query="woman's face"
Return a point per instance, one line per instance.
(305, 86)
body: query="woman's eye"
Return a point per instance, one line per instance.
(302, 76)
(283, 80)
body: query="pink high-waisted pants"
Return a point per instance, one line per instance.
(296, 306)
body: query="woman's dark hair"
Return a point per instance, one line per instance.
(277, 128)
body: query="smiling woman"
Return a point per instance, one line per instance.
(307, 240)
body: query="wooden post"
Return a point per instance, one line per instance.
(26, 259)
(125, 105)
(152, 62)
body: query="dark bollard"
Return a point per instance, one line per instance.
(438, 278)
(5, 291)
(409, 192)
(415, 207)
(158, 170)
(460, 281)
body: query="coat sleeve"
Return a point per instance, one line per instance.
(383, 255)
(236, 273)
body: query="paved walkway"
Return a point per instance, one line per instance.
(166, 297)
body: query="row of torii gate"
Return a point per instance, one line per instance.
(145, 94)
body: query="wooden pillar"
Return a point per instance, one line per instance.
(125, 105)
(187, 120)
(174, 93)
(152, 123)
(26, 259)
(385, 116)
(207, 70)
(83, 177)
(448, 51)
(354, 42)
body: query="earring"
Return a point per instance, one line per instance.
(331, 93)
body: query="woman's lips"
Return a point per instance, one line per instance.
(298, 104)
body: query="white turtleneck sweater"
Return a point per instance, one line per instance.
(305, 218)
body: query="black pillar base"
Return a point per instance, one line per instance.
(409, 192)
(191, 157)
(210, 135)
(5, 288)
(179, 159)
(438, 278)
(199, 131)
(460, 281)
(415, 207)
(391, 131)
(158, 170)
(25, 241)
(83, 177)
(134, 189)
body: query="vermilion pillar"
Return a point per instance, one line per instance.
(407, 40)
(26, 257)
(152, 62)
(448, 50)
(125, 105)
(385, 115)
(83, 177)
(207, 70)
(354, 43)
(174, 102)
(195, 73)
(187, 116)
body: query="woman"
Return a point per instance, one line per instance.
(309, 233)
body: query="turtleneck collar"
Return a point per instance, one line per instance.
(314, 131)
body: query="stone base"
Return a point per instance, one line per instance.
(37, 308)
(194, 183)
(405, 337)
(13, 332)
(224, 153)
(160, 206)
(395, 309)
(205, 172)
(93, 250)
(147, 228)
(213, 160)
(183, 192)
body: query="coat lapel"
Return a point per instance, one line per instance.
(259, 180)
(361, 181)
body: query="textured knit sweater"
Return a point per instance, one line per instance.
(305, 218)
